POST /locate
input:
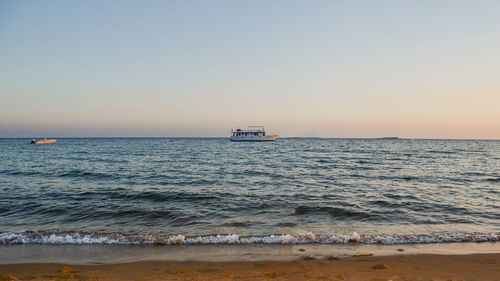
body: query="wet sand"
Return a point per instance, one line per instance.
(396, 267)
(94, 254)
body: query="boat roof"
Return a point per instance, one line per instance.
(250, 129)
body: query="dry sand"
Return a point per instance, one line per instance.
(399, 267)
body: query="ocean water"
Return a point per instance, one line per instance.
(212, 191)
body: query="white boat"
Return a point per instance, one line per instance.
(252, 133)
(44, 141)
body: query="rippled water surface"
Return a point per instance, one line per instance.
(216, 191)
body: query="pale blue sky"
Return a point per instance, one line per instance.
(425, 69)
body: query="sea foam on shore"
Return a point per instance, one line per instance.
(55, 237)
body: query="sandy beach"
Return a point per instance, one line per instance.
(408, 267)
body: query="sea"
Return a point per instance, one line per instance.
(198, 191)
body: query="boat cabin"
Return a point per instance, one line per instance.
(249, 133)
(252, 133)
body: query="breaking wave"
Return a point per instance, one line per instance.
(54, 238)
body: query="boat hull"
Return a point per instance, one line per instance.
(45, 142)
(256, 139)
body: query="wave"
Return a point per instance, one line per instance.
(332, 211)
(56, 237)
(493, 179)
(157, 196)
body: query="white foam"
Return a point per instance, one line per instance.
(176, 239)
(355, 237)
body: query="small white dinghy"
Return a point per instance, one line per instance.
(44, 141)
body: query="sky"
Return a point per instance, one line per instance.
(413, 69)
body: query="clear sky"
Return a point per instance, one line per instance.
(420, 69)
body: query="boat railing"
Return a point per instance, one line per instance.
(250, 129)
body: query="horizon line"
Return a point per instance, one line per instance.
(223, 137)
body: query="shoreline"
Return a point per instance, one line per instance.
(395, 267)
(89, 254)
